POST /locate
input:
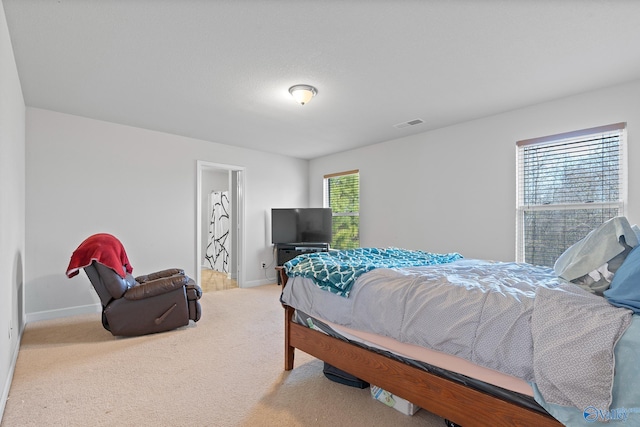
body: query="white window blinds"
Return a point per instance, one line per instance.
(568, 184)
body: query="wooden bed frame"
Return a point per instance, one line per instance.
(451, 400)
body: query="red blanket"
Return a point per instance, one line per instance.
(103, 248)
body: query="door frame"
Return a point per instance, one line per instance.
(238, 211)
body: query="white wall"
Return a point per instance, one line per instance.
(453, 189)
(87, 176)
(12, 209)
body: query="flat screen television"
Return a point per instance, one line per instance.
(302, 225)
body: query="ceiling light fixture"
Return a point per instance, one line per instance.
(303, 93)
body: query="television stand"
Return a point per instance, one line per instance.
(288, 251)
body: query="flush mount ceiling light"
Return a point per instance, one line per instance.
(303, 93)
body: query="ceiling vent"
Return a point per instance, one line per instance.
(409, 123)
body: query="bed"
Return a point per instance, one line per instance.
(350, 343)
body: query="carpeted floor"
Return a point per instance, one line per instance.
(225, 370)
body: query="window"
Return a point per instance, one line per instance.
(568, 184)
(342, 195)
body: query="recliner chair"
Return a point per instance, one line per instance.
(156, 302)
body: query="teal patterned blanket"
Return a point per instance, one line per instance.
(336, 271)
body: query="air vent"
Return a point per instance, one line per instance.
(409, 123)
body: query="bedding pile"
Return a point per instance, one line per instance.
(336, 271)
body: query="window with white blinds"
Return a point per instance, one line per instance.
(342, 195)
(568, 184)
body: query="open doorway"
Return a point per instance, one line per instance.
(220, 222)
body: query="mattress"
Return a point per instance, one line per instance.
(420, 354)
(444, 365)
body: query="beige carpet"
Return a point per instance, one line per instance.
(225, 370)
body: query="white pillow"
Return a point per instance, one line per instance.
(614, 237)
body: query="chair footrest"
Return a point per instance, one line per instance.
(194, 292)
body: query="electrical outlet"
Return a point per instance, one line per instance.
(264, 265)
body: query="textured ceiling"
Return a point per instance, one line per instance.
(220, 70)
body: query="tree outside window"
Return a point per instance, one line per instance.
(342, 195)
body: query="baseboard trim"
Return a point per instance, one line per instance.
(12, 368)
(63, 312)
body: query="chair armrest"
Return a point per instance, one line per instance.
(156, 287)
(159, 274)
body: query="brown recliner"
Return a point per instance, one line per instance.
(147, 304)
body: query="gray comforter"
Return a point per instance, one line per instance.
(515, 318)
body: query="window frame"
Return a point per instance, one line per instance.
(567, 138)
(326, 196)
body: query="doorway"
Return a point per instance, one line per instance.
(219, 178)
